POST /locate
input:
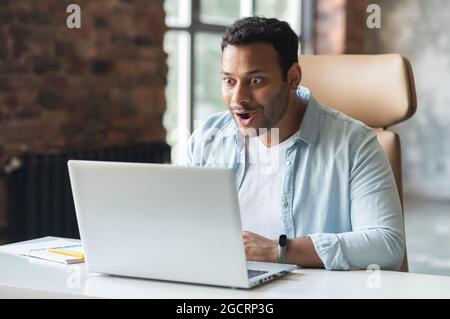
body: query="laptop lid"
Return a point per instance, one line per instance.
(160, 221)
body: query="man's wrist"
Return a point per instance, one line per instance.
(274, 253)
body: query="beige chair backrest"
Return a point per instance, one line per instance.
(375, 89)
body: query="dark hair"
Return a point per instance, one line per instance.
(270, 30)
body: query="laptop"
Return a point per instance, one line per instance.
(164, 222)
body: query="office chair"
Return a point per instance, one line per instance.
(375, 89)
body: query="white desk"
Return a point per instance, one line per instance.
(33, 278)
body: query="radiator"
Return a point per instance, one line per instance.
(39, 196)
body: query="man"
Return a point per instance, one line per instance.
(302, 169)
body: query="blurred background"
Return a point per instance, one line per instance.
(138, 76)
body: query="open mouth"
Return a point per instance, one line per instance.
(245, 117)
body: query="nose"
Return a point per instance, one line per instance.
(241, 95)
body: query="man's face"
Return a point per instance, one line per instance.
(253, 86)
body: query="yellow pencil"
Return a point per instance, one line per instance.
(67, 253)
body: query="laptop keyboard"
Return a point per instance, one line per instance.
(254, 273)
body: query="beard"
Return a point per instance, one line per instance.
(277, 110)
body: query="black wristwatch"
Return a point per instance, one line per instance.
(282, 244)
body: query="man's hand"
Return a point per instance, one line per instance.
(259, 248)
(300, 251)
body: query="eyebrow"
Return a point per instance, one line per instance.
(251, 72)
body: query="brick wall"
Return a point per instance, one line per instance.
(330, 26)
(99, 85)
(340, 26)
(356, 27)
(96, 86)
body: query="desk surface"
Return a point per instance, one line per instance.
(34, 278)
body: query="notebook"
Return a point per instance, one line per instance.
(63, 246)
(39, 249)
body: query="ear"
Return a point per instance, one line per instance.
(294, 76)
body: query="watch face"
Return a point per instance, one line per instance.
(283, 240)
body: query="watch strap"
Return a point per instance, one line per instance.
(282, 245)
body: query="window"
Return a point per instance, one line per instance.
(193, 47)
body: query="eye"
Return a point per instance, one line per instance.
(257, 81)
(227, 81)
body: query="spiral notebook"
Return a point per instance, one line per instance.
(62, 245)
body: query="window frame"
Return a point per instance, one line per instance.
(196, 25)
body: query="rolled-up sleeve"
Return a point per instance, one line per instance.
(377, 236)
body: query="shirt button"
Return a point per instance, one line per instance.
(288, 163)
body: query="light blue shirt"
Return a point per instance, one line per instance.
(338, 187)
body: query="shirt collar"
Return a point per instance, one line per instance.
(309, 128)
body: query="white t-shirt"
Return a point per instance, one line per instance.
(261, 189)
